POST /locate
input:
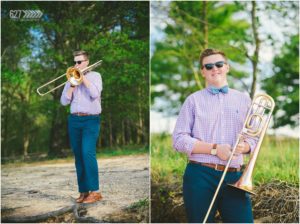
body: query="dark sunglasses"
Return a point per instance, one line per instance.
(78, 62)
(210, 66)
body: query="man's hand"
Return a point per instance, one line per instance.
(70, 91)
(71, 85)
(242, 148)
(224, 151)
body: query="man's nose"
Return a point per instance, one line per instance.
(214, 68)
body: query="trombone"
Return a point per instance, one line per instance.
(73, 75)
(255, 127)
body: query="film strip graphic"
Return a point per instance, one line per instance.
(25, 14)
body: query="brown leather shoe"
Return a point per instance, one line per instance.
(93, 197)
(81, 197)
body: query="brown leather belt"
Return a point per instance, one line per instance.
(83, 114)
(217, 167)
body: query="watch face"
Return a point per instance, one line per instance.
(213, 152)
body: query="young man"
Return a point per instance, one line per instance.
(206, 130)
(84, 127)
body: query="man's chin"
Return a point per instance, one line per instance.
(217, 83)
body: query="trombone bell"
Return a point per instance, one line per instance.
(243, 185)
(74, 76)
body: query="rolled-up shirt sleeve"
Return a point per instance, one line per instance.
(95, 87)
(64, 99)
(252, 143)
(182, 135)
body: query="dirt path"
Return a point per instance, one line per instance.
(35, 193)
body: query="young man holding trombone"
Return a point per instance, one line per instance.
(206, 130)
(83, 93)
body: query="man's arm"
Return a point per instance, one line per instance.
(223, 150)
(66, 95)
(182, 139)
(93, 85)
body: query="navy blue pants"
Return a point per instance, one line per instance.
(199, 186)
(83, 134)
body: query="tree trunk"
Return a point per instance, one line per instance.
(24, 99)
(205, 28)
(255, 57)
(128, 127)
(56, 135)
(140, 121)
(5, 131)
(123, 133)
(110, 132)
(25, 143)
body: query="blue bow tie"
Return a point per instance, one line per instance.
(215, 90)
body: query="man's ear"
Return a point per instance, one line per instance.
(202, 73)
(228, 67)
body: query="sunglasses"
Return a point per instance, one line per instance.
(78, 62)
(210, 66)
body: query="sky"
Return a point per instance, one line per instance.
(161, 123)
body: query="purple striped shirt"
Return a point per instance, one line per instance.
(211, 118)
(85, 100)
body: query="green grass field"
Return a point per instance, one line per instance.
(278, 160)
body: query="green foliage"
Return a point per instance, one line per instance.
(101, 153)
(37, 51)
(284, 84)
(139, 205)
(122, 151)
(191, 26)
(278, 159)
(166, 164)
(175, 63)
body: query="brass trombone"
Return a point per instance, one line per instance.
(255, 127)
(73, 75)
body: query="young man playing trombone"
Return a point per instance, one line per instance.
(84, 127)
(207, 127)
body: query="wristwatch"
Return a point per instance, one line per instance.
(213, 151)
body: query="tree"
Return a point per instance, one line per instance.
(192, 27)
(284, 84)
(234, 27)
(37, 51)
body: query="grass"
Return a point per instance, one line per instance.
(123, 151)
(278, 159)
(104, 153)
(143, 203)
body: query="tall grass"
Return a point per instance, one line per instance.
(278, 159)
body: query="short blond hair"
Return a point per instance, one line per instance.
(80, 52)
(208, 52)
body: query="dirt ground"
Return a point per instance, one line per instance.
(35, 193)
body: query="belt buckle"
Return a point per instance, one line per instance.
(216, 167)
